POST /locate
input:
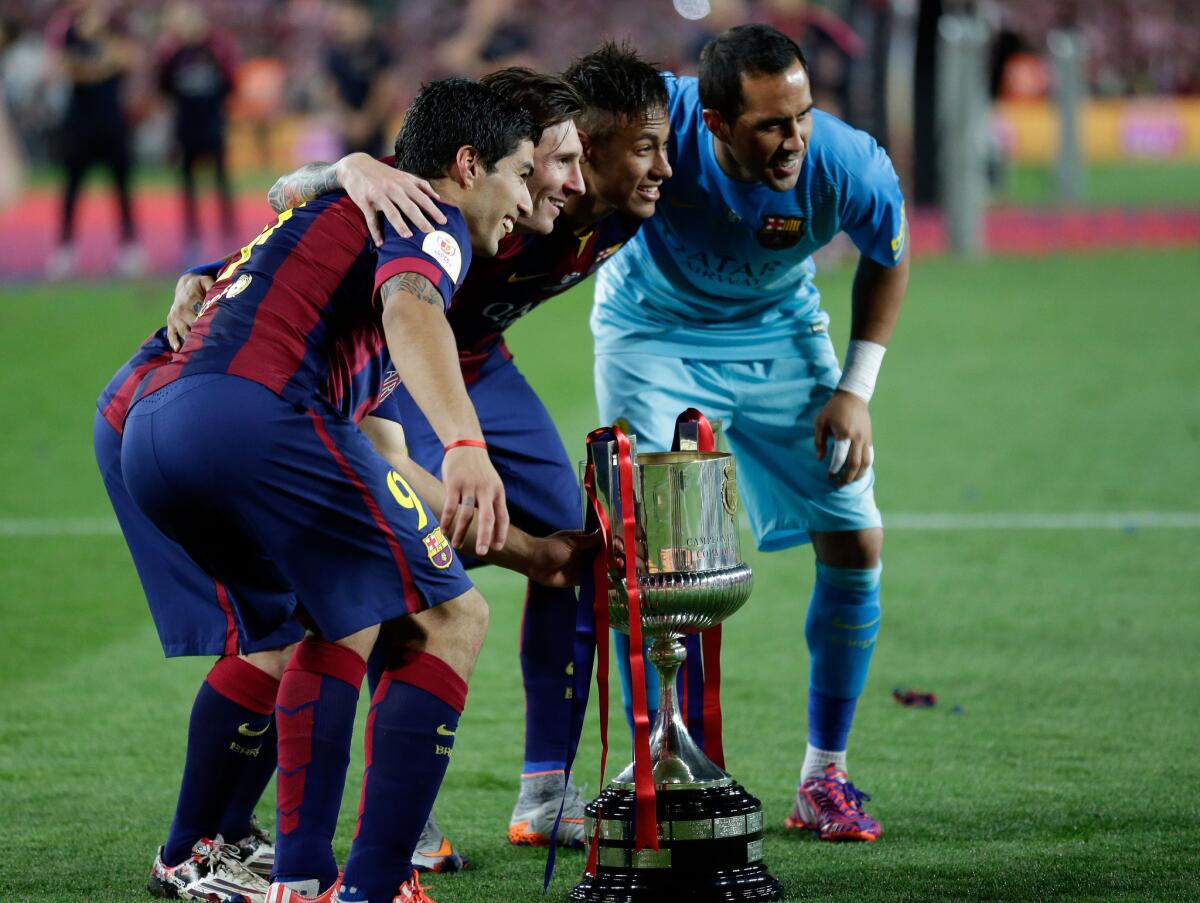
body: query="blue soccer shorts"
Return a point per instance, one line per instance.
(193, 612)
(273, 498)
(767, 409)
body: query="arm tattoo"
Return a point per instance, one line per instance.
(307, 183)
(416, 285)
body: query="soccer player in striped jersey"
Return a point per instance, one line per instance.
(578, 226)
(243, 448)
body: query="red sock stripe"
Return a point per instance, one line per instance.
(241, 682)
(369, 747)
(328, 659)
(231, 634)
(431, 674)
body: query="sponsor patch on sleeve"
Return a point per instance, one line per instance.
(901, 237)
(443, 247)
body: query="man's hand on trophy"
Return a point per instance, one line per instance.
(560, 560)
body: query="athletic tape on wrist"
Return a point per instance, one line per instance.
(863, 360)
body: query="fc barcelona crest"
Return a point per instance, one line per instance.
(781, 232)
(438, 549)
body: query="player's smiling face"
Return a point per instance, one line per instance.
(626, 167)
(556, 177)
(768, 140)
(498, 199)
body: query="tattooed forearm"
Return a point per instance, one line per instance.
(305, 184)
(414, 284)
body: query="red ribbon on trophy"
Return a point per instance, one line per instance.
(646, 823)
(705, 680)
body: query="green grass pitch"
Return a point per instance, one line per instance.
(1057, 385)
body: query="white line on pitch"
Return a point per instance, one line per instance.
(1017, 520)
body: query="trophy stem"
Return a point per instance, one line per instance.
(675, 758)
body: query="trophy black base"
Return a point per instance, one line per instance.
(710, 849)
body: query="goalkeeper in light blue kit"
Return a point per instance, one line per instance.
(712, 305)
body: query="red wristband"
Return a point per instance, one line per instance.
(473, 443)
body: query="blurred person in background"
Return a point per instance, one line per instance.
(359, 90)
(195, 70)
(12, 159)
(96, 56)
(494, 34)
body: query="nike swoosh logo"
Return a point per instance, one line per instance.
(513, 277)
(444, 731)
(246, 731)
(840, 626)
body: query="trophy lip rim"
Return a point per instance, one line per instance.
(679, 457)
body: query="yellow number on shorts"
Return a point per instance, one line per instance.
(244, 254)
(406, 498)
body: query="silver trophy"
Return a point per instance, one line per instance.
(690, 577)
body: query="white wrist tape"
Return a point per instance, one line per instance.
(863, 360)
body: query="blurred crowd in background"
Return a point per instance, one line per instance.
(360, 62)
(261, 85)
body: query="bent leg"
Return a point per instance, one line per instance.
(410, 737)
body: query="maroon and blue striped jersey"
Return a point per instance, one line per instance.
(527, 270)
(296, 309)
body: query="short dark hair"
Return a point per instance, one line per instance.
(616, 85)
(549, 99)
(742, 50)
(453, 112)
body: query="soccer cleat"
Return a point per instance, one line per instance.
(256, 851)
(412, 892)
(832, 806)
(533, 817)
(281, 893)
(435, 853)
(211, 873)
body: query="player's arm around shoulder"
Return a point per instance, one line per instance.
(375, 187)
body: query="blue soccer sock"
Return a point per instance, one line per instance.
(410, 736)
(229, 739)
(620, 654)
(315, 719)
(547, 654)
(841, 627)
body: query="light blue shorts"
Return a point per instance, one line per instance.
(767, 409)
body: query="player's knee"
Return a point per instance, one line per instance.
(454, 631)
(362, 641)
(272, 662)
(850, 548)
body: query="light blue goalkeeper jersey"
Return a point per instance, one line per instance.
(724, 269)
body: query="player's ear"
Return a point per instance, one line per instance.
(716, 124)
(467, 167)
(586, 140)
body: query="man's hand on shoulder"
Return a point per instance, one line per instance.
(844, 422)
(377, 188)
(374, 187)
